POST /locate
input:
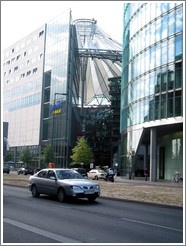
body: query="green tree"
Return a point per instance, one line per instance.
(9, 156)
(45, 157)
(26, 156)
(82, 153)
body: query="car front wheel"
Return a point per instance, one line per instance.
(61, 195)
(35, 193)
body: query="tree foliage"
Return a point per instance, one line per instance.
(9, 156)
(82, 153)
(26, 156)
(45, 157)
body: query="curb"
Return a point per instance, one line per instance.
(141, 202)
(123, 200)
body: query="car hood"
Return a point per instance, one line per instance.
(77, 182)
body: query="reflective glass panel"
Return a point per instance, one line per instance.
(171, 23)
(163, 106)
(171, 77)
(164, 31)
(179, 20)
(170, 105)
(179, 47)
(171, 50)
(164, 53)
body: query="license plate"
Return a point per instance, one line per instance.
(89, 192)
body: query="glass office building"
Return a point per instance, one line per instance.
(60, 88)
(48, 75)
(41, 90)
(152, 88)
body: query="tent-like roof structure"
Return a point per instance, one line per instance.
(101, 58)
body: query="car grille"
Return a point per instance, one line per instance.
(88, 187)
(81, 195)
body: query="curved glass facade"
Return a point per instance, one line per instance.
(152, 68)
(152, 63)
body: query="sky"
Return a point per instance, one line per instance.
(20, 18)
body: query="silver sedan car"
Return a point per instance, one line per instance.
(63, 183)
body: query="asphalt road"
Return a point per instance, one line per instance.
(45, 220)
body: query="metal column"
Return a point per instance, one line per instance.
(153, 155)
(146, 156)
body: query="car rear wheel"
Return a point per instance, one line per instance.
(61, 195)
(35, 193)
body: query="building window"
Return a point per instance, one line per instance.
(17, 78)
(21, 66)
(15, 68)
(34, 37)
(10, 71)
(28, 73)
(17, 48)
(13, 60)
(40, 57)
(29, 51)
(28, 62)
(28, 41)
(33, 60)
(22, 75)
(38, 84)
(4, 74)
(22, 45)
(41, 33)
(12, 51)
(35, 70)
(8, 62)
(36, 47)
(18, 57)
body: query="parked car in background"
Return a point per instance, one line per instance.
(25, 171)
(37, 170)
(6, 170)
(82, 171)
(62, 183)
(97, 174)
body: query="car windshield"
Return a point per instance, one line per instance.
(101, 171)
(81, 171)
(68, 174)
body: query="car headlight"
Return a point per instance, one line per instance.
(96, 187)
(75, 187)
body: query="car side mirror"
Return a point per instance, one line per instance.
(52, 178)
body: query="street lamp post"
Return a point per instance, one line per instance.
(53, 123)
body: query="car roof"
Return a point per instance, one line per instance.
(55, 169)
(78, 168)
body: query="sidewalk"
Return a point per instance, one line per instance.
(137, 190)
(141, 181)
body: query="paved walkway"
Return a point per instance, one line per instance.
(138, 181)
(141, 181)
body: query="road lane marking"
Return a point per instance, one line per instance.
(145, 223)
(42, 232)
